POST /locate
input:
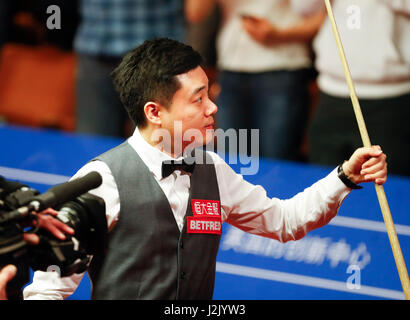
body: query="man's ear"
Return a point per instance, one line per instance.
(152, 112)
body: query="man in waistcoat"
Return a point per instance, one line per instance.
(165, 211)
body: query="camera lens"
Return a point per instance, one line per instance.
(86, 215)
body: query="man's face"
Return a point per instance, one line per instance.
(191, 112)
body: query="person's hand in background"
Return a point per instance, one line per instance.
(6, 274)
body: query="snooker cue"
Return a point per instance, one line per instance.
(391, 231)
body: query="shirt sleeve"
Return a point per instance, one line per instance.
(49, 285)
(306, 7)
(400, 6)
(248, 207)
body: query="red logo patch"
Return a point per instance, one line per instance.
(207, 217)
(206, 208)
(212, 225)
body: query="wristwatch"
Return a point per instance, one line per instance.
(342, 176)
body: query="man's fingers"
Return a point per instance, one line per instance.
(367, 152)
(379, 177)
(49, 211)
(54, 230)
(31, 238)
(56, 227)
(249, 26)
(62, 226)
(380, 180)
(256, 27)
(371, 162)
(366, 157)
(367, 164)
(7, 273)
(373, 167)
(251, 18)
(376, 173)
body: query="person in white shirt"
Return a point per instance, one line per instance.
(376, 39)
(156, 243)
(264, 69)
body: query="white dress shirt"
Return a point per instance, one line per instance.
(376, 40)
(242, 204)
(239, 52)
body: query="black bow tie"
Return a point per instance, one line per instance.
(170, 166)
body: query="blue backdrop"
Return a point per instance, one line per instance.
(350, 258)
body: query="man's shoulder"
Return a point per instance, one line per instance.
(100, 163)
(93, 165)
(113, 151)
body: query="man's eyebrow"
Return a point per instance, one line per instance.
(197, 90)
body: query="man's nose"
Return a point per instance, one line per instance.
(211, 108)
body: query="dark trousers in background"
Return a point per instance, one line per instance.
(6, 13)
(275, 102)
(334, 133)
(98, 108)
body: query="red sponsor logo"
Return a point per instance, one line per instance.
(206, 208)
(212, 225)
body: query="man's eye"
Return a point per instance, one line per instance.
(199, 99)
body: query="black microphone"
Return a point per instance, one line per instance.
(56, 195)
(7, 186)
(67, 191)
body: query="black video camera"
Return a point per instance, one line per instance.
(82, 211)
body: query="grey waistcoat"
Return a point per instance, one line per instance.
(147, 256)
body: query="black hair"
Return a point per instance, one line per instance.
(147, 73)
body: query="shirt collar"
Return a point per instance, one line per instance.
(150, 155)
